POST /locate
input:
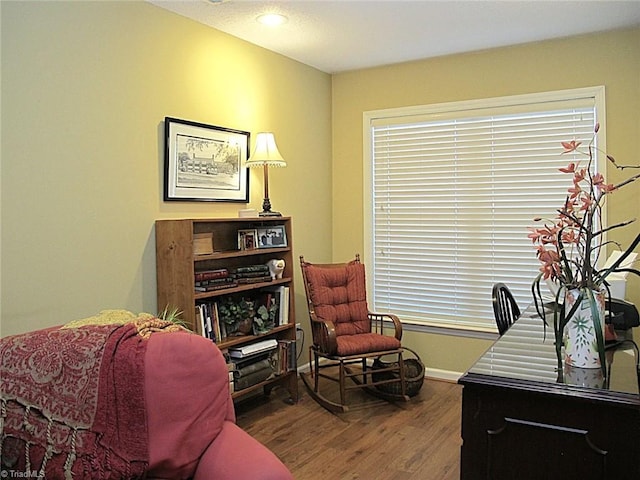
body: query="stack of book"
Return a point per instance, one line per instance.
(209, 322)
(287, 359)
(230, 367)
(280, 297)
(209, 280)
(251, 274)
(253, 363)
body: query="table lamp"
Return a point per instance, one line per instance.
(266, 154)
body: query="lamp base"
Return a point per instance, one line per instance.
(269, 214)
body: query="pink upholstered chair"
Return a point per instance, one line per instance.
(347, 337)
(139, 399)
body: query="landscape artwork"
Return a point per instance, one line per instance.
(205, 163)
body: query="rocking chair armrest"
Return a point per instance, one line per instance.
(378, 319)
(324, 334)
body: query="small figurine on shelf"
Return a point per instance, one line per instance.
(276, 267)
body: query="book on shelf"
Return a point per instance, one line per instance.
(244, 369)
(231, 383)
(287, 360)
(253, 348)
(248, 280)
(208, 324)
(213, 281)
(240, 383)
(201, 319)
(236, 364)
(209, 286)
(253, 369)
(281, 297)
(202, 275)
(200, 327)
(216, 323)
(248, 269)
(209, 321)
(251, 274)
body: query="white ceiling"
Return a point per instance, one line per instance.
(336, 36)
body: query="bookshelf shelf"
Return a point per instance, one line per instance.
(241, 288)
(239, 253)
(176, 266)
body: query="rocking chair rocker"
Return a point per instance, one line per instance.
(347, 336)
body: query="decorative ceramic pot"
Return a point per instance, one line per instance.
(245, 327)
(580, 340)
(584, 377)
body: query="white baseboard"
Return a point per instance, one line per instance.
(433, 373)
(445, 375)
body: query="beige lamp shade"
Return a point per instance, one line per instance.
(266, 152)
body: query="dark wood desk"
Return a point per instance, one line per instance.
(522, 420)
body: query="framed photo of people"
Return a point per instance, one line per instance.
(273, 236)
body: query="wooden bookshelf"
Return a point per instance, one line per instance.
(176, 265)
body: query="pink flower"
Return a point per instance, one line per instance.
(597, 179)
(598, 182)
(571, 146)
(586, 203)
(579, 175)
(574, 191)
(570, 168)
(570, 236)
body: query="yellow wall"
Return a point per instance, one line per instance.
(85, 89)
(610, 59)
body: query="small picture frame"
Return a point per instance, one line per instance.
(247, 239)
(273, 236)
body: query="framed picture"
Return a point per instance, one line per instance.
(247, 239)
(204, 163)
(272, 237)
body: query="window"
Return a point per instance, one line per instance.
(450, 192)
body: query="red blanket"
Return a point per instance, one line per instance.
(72, 403)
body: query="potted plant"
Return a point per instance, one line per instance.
(265, 318)
(173, 315)
(569, 248)
(237, 313)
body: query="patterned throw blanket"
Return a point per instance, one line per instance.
(72, 399)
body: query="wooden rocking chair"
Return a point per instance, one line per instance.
(346, 335)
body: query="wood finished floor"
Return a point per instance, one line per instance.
(417, 440)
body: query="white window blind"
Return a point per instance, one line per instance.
(452, 189)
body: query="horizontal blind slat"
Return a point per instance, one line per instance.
(453, 194)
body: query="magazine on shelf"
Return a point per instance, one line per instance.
(253, 348)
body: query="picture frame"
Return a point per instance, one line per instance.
(247, 239)
(205, 163)
(273, 236)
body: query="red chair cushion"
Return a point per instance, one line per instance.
(365, 343)
(339, 295)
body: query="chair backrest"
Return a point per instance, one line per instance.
(622, 314)
(336, 293)
(505, 308)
